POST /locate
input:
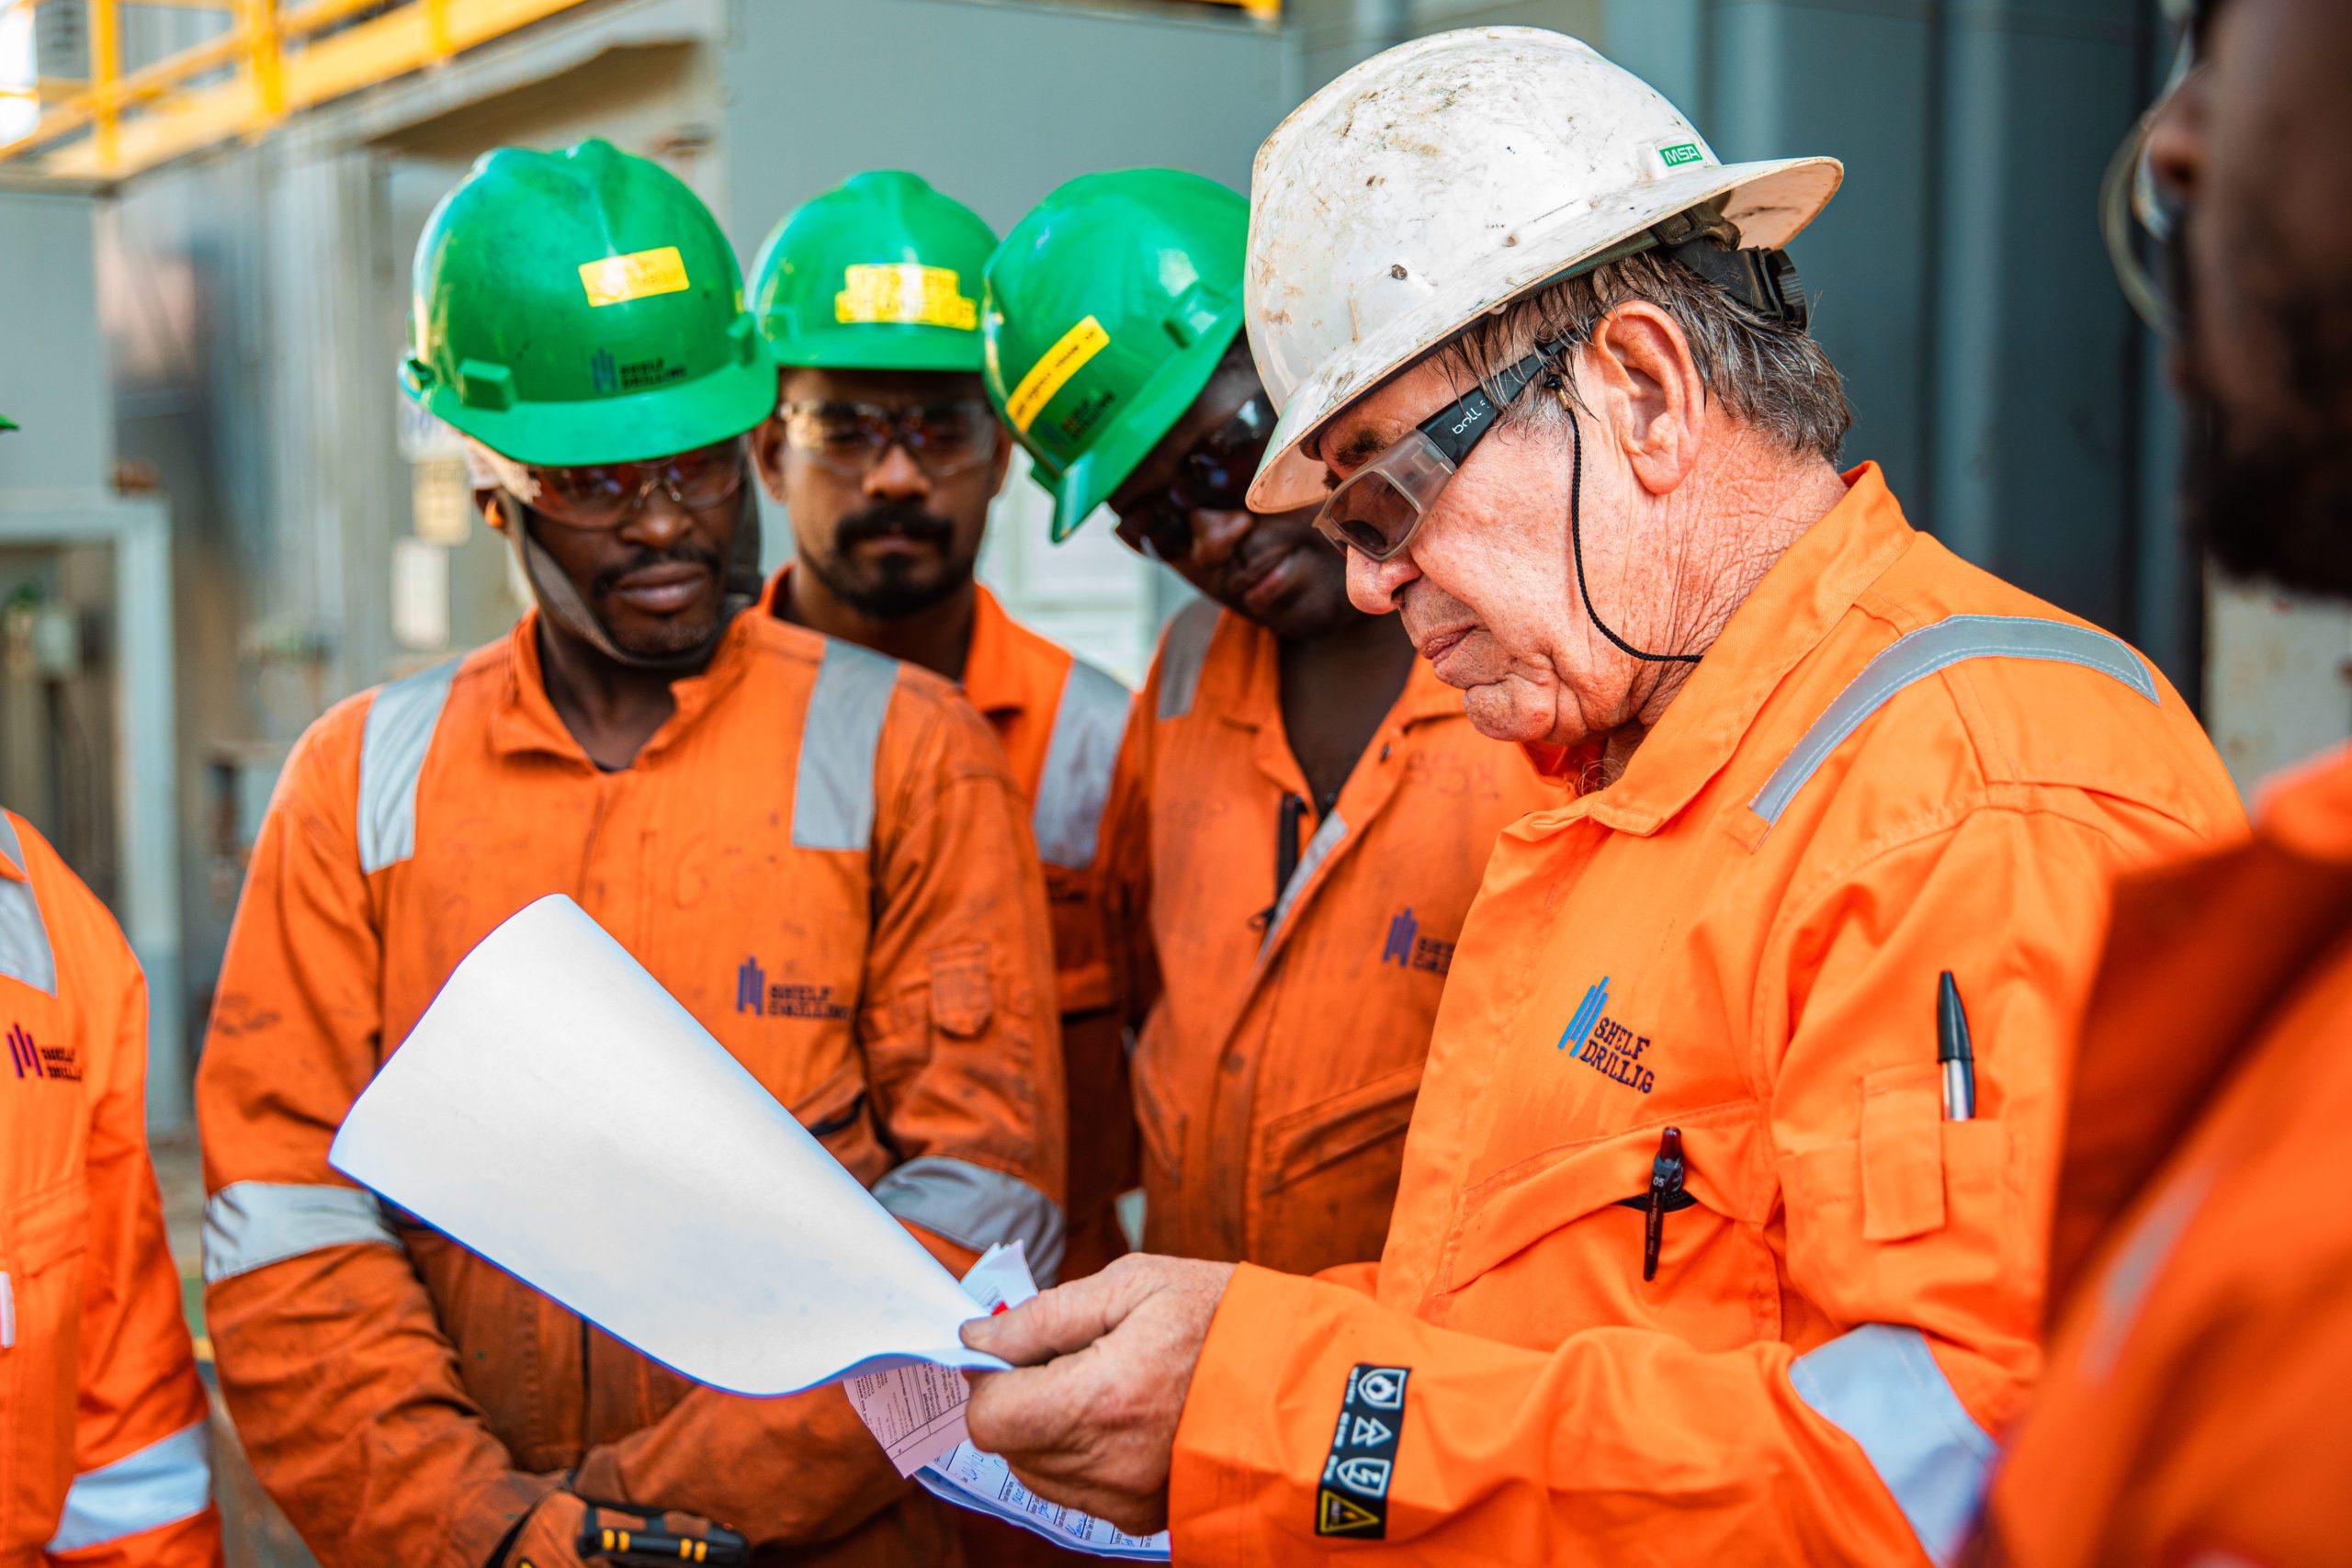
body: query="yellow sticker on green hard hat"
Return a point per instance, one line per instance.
(616, 281)
(1052, 372)
(904, 294)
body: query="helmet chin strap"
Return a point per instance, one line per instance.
(562, 603)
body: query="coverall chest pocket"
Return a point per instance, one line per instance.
(1328, 1175)
(43, 1239)
(1560, 1242)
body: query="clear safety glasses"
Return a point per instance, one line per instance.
(2138, 217)
(1377, 511)
(606, 495)
(943, 438)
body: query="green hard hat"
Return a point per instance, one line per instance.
(6, 423)
(1108, 309)
(880, 273)
(582, 307)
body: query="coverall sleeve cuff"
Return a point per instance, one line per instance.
(1228, 1477)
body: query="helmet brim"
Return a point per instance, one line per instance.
(889, 347)
(1154, 411)
(1771, 202)
(658, 422)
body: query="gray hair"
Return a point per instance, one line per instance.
(1765, 372)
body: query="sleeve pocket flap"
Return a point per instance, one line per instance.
(1902, 1153)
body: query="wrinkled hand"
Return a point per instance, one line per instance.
(1089, 1419)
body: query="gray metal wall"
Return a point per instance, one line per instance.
(1995, 368)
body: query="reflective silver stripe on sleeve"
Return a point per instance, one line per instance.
(1181, 654)
(1328, 834)
(392, 744)
(251, 1224)
(833, 792)
(1085, 744)
(25, 952)
(167, 1480)
(1880, 1387)
(1915, 655)
(976, 1207)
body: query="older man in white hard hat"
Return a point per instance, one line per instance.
(1719, 1234)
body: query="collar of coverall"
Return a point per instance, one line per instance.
(1805, 593)
(995, 674)
(526, 719)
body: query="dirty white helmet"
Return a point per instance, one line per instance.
(1446, 177)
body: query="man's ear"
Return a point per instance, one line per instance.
(1001, 464)
(1651, 398)
(767, 455)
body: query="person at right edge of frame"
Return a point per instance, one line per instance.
(2195, 1409)
(1691, 1261)
(1301, 812)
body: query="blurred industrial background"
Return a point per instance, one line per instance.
(221, 516)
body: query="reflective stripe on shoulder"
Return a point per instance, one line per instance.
(1915, 656)
(167, 1480)
(1328, 834)
(1078, 759)
(976, 1207)
(1880, 1387)
(1181, 654)
(25, 952)
(251, 1224)
(832, 791)
(398, 733)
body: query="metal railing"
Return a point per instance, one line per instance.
(273, 58)
(270, 61)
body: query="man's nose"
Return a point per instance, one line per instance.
(2176, 140)
(1216, 534)
(658, 523)
(896, 476)
(1373, 585)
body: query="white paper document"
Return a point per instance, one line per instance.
(556, 1110)
(916, 1412)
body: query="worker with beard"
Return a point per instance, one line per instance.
(885, 453)
(1301, 814)
(2193, 1408)
(815, 849)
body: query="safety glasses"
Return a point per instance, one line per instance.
(606, 495)
(1377, 511)
(2138, 217)
(849, 438)
(1213, 476)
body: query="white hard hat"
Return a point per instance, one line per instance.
(1441, 180)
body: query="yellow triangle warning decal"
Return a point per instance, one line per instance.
(1341, 1516)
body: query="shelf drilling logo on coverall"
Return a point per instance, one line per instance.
(1605, 1045)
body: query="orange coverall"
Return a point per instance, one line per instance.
(1059, 719)
(1891, 765)
(821, 858)
(104, 1448)
(1282, 1032)
(2195, 1411)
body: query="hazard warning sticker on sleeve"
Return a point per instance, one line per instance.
(1352, 1501)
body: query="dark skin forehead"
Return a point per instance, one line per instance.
(887, 388)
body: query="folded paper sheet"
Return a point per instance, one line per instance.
(556, 1110)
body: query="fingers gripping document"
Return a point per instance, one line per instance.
(558, 1113)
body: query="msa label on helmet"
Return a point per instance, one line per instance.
(904, 294)
(1052, 372)
(1681, 153)
(616, 281)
